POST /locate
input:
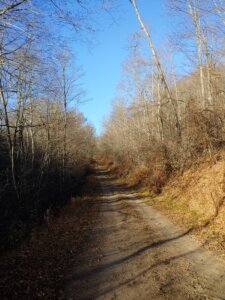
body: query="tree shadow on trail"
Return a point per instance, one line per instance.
(100, 274)
(102, 267)
(105, 274)
(110, 186)
(118, 199)
(139, 275)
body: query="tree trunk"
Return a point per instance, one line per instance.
(160, 70)
(198, 37)
(9, 139)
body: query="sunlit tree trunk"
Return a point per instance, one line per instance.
(159, 67)
(210, 94)
(160, 117)
(65, 121)
(193, 10)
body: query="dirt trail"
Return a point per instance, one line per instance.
(136, 253)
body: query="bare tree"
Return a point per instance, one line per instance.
(162, 76)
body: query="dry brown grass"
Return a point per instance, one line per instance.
(194, 199)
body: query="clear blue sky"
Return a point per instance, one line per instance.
(102, 64)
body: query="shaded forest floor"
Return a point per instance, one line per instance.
(37, 268)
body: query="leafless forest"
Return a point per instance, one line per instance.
(168, 120)
(74, 222)
(46, 145)
(171, 119)
(162, 121)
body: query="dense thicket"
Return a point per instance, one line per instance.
(45, 144)
(165, 119)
